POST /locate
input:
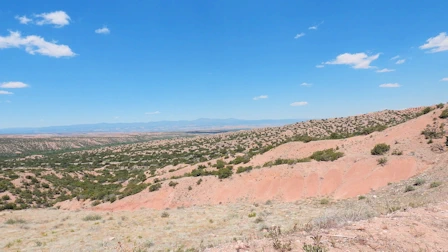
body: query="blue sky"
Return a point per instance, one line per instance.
(73, 62)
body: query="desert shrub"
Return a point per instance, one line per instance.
(251, 215)
(224, 173)
(326, 155)
(199, 182)
(155, 187)
(241, 159)
(380, 149)
(173, 184)
(382, 161)
(426, 110)
(444, 114)
(433, 132)
(409, 188)
(435, 184)
(92, 217)
(419, 182)
(15, 221)
(258, 220)
(244, 169)
(96, 203)
(397, 152)
(361, 197)
(317, 245)
(165, 215)
(440, 105)
(5, 197)
(324, 201)
(220, 164)
(275, 233)
(190, 188)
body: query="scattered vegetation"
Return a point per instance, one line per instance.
(380, 149)
(327, 155)
(382, 161)
(444, 114)
(435, 184)
(317, 245)
(92, 217)
(409, 188)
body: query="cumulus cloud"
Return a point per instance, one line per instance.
(56, 18)
(13, 84)
(444, 79)
(299, 35)
(356, 60)
(23, 19)
(3, 92)
(438, 43)
(260, 97)
(103, 30)
(35, 45)
(385, 70)
(306, 84)
(297, 104)
(399, 62)
(390, 85)
(152, 113)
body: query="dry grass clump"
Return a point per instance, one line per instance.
(92, 217)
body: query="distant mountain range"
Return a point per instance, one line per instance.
(203, 124)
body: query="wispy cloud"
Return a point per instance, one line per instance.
(395, 57)
(260, 97)
(444, 79)
(152, 113)
(35, 45)
(305, 84)
(23, 19)
(390, 85)
(299, 35)
(356, 60)
(320, 66)
(56, 18)
(13, 84)
(385, 70)
(3, 92)
(435, 44)
(401, 61)
(103, 30)
(300, 103)
(315, 27)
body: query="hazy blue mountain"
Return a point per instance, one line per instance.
(160, 126)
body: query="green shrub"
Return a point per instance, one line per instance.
(326, 155)
(380, 149)
(409, 188)
(96, 203)
(199, 182)
(444, 114)
(244, 169)
(15, 221)
(324, 201)
(361, 197)
(419, 182)
(155, 187)
(173, 184)
(5, 197)
(426, 110)
(382, 161)
(92, 217)
(165, 215)
(224, 173)
(435, 184)
(251, 215)
(440, 105)
(397, 152)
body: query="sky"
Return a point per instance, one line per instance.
(77, 62)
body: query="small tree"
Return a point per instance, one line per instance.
(444, 114)
(380, 149)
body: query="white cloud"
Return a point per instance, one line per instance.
(13, 84)
(56, 18)
(2, 92)
(23, 19)
(444, 79)
(306, 84)
(297, 104)
(320, 66)
(438, 43)
(357, 60)
(260, 97)
(152, 113)
(390, 85)
(399, 62)
(395, 57)
(34, 44)
(103, 30)
(299, 35)
(315, 27)
(385, 70)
